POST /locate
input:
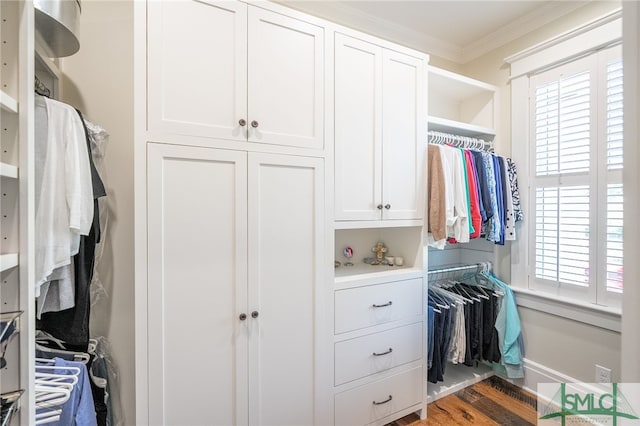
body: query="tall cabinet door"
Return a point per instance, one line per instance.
(404, 129)
(358, 130)
(286, 265)
(286, 89)
(197, 68)
(197, 286)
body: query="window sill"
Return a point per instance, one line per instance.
(588, 313)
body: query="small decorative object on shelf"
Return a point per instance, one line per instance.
(379, 250)
(348, 253)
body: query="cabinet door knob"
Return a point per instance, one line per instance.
(383, 353)
(383, 402)
(242, 317)
(387, 206)
(379, 206)
(242, 122)
(254, 314)
(254, 124)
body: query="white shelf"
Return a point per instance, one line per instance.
(362, 271)
(359, 224)
(8, 261)
(8, 171)
(460, 128)
(8, 103)
(457, 377)
(457, 86)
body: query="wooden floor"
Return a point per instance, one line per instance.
(490, 402)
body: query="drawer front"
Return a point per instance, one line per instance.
(361, 307)
(355, 358)
(356, 406)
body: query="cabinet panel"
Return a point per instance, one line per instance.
(286, 90)
(286, 263)
(197, 74)
(356, 407)
(354, 307)
(197, 285)
(404, 135)
(355, 358)
(358, 135)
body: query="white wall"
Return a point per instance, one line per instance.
(98, 80)
(564, 345)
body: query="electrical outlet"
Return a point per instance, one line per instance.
(603, 374)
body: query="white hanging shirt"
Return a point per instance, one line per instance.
(63, 192)
(458, 228)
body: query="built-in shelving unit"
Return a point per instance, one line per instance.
(461, 105)
(16, 97)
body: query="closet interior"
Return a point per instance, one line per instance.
(283, 209)
(53, 221)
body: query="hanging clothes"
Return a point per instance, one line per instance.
(473, 320)
(63, 201)
(436, 196)
(480, 196)
(72, 325)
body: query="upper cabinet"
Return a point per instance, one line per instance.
(239, 73)
(380, 133)
(461, 105)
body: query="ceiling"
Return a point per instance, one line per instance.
(458, 31)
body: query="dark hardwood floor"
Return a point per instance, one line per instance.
(490, 402)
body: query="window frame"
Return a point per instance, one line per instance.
(595, 36)
(597, 178)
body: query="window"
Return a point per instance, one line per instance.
(575, 175)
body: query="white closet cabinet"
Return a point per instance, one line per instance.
(235, 244)
(227, 70)
(380, 126)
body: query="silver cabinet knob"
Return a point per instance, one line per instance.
(242, 316)
(254, 124)
(254, 314)
(242, 122)
(387, 206)
(379, 206)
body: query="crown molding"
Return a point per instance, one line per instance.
(343, 14)
(518, 28)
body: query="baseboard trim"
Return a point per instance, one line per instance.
(535, 373)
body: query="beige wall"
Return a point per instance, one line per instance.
(564, 345)
(98, 80)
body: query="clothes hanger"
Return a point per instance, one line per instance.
(77, 356)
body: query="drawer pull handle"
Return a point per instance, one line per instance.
(383, 402)
(384, 353)
(382, 306)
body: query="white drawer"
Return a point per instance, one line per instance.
(362, 307)
(356, 406)
(355, 358)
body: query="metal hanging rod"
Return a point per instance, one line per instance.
(457, 270)
(442, 138)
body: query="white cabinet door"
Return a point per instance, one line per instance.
(197, 286)
(286, 269)
(358, 132)
(286, 75)
(197, 68)
(403, 134)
